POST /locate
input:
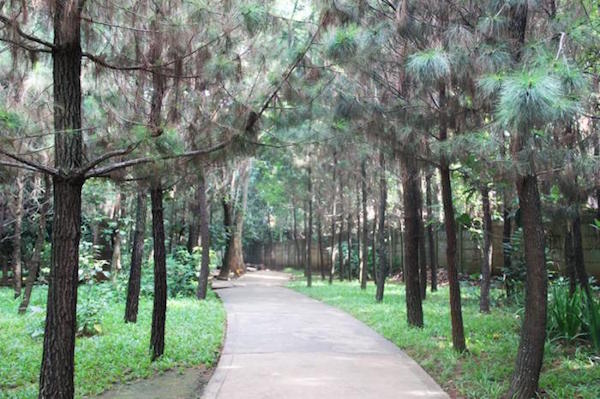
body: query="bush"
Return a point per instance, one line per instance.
(573, 316)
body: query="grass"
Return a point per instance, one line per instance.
(194, 334)
(492, 340)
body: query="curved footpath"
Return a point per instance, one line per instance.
(283, 345)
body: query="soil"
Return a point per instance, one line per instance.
(173, 384)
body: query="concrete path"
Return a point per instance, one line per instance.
(283, 345)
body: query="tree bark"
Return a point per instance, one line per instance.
(382, 257)
(137, 254)
(530, 355)
(3, 212)
(410, 199)
(349, 246)
(422, 250)
(56, 375)
(40, 240)
(296, 243)
(204, 237)
(228, 226)
(458, 335)
(17, 240)
(308, 266)
(484, 298)
(578, 257)
(365, 227)
(159, 310)
(194, 225)
(320, 238)
(333, 218)
(570, 258)
(118, 215)
(430, 238)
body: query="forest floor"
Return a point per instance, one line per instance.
(118, 353)
(492, 340)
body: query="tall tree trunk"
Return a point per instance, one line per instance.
(430, 239)
(3, 212)
(365, 226)
(194, 225)
(228, 226)
(204, 237)
(458, 335)
(349, 246)
(137, 254)
(382, 257)
(234, 257)
(506, 241)
(578, 257)
(17, 240)
(484, 298)
(118, 215)
(308, 266)
(159, 310)
(56, 374)
(320, 238)
(422, 251)
(340, 248)
(530, 355)
(296, 242)
(570, 258)
(410, 200)
(333, 218)
(40, 240)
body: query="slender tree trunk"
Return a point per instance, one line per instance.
(430, 238)
(296, 243)
(320, 238)
(17, 240)
(533, 331)
(530, 355)
(40, 240)
(484, 298)
(56, 374)
(137, 254)
(204, 237)
(228, 226)
(365, 226)
(458, 335)
(578, 256)
(340, 248)
(333, 219)
(159, 310)
(194, 225)
(118, 215)
(570, 258)
(382, 257)
(410, 199)
(310, 230)
(422, 251)
(349, 246)
(374, 247)
(506, 241)
(3, 207)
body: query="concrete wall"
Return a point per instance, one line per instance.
(469, 256)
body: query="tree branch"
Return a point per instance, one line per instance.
(15, 26)
(32, 164)
(92, 164)
(103, 171)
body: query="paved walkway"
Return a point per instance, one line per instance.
(283, 345)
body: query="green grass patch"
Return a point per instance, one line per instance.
(194, 333)
(485, 371)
